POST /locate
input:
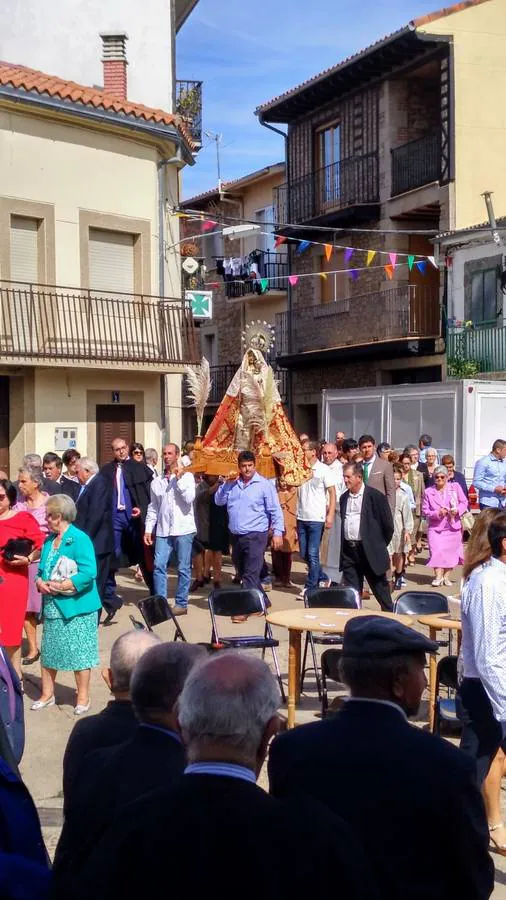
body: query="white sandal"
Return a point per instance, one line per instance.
(41, 704)
(496, 846)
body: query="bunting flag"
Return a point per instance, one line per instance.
(328, 251)
(323, 275)
(393, 259)
(303, 245)
(421, 265)
(411, 260)
(348, 253)
(433, 262)
(370, 256)
(264, 284)
(208, 225)
(280, 239)
(293, 279)
(389, 269)
(354, 274)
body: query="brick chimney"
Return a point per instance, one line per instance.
(115, 63)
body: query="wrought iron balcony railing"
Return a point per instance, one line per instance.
(45, 322)
(406, 311)
(349, 182)
(189, 107)
(273, 265)
(416, 163)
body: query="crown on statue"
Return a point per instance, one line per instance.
(258, 336)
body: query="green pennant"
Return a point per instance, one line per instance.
(411, 260)
(264, 284)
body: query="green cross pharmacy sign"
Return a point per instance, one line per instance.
(201, 303)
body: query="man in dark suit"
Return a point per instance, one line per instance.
(94, 517)
(397, 785)
(11, 707)
(367, 529)
(216, 816)
(116, 723)
(378, 472)
(52, 466)
(155, 753)
(129, 484)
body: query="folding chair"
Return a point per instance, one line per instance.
(423, 603)
(242, 602)
(330, 669)
(155, 610)
(445, 708)
(339, 597)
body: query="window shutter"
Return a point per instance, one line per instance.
(111, 261)
(24, 249)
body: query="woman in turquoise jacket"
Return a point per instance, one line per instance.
(70, 601)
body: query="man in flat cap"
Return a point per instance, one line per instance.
(411, 796)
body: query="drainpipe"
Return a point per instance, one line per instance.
(289, 398)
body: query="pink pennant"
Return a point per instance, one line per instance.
(293, 279)
(393, 259)
(208, 225)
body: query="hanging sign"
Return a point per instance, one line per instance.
(201, 303)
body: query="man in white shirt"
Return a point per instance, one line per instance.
(483, 689)
(171, 513)
(316, 506)
(331, 542)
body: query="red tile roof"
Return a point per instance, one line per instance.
(36, 82)
(411, 26)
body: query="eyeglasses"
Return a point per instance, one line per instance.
(439, 477)
(136, 452)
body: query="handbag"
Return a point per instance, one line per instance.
(467, 520)
(63, 569)
(16, 547)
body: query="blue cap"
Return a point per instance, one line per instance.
(379, 636)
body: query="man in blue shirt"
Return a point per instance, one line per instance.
(490, 477)
(253, 508)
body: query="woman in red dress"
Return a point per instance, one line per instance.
(14, 575)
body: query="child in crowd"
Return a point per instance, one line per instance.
(282, 559)
(403, 526)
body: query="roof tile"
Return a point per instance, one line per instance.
(31, 80)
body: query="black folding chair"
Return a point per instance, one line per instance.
(330, 670)
(445, 707)
(339, 597)
(242, 602)
(423, 603)
(155, 610)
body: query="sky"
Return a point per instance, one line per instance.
(248, 52)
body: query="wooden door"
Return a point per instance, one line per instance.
(113, 421)
(424, 301)
(4, 423)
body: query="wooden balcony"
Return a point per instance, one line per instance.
(61, 326)
(399, 313)
(336, 188)
(416, 163)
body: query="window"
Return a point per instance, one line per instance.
(328, 150)
(111, 261)
(265, 218)
(484, 297)
(24, 249)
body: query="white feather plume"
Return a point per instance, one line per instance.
(252, 408)
(198, 382)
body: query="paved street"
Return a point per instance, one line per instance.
(48, 730)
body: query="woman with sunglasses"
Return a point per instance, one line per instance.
(136, 452)
(14, 572)
(443, 505)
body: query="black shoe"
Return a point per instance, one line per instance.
(109, 617)
(29, 660)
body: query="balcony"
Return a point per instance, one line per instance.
(416, 163)
(189, 107)
(475, 349)
(44, 323)
(402, 312)
(349, 183)
(273, 265)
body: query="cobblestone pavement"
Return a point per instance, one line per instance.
(48, 730)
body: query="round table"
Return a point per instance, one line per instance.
(323, 620)
(435, 623)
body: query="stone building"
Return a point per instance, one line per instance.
(385, 150)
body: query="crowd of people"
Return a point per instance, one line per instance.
(179, 712)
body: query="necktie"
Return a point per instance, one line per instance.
(119, 487)
(81, 492)
(366, 472)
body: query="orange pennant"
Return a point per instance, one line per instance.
(328, 251)
(389, 269)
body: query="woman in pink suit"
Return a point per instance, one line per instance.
(443, 505)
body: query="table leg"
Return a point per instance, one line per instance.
(432, 680)
(294, 641)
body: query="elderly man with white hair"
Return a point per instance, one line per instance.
(94, 517)
(222, 834)
(116, 723)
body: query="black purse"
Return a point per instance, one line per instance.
(16, 547)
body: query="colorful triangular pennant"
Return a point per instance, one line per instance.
(433, 261)
(389, 269)
(370, 256)
(421, 265)
(328, 251)
(353, 274)
(293, 279)
(323, 275)
(280, 239)
(264, 284)
(303, 245)
(411, 260)
(348, 253)
(393, 259)
(208, 225)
